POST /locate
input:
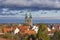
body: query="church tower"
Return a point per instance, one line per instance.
(28, 20)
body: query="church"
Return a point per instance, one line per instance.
(28, 19)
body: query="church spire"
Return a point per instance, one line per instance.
(28, 20)
(30, 16)
(26, 16)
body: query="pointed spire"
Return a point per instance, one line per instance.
(30, 15)
(26, 15)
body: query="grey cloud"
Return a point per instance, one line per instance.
(28, 3)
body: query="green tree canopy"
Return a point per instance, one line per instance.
(43, 32)
(56, 36)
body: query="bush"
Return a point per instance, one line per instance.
(7, 35)
(10, 36)
(56, 36)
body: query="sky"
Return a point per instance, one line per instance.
(42, 14)
(39, 4)
(31, 3)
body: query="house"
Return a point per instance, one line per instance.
(25, 30)
(7, 29)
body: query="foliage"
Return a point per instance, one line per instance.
(56, 36)
(16, 37)
(43, 32)
(7, 35)
(10, 36)
(25, 38)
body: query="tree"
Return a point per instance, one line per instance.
(43, 32)
(11, 36)
(56, 36)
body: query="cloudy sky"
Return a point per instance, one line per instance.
(31, 3)
(47, 14)
(6, 12)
